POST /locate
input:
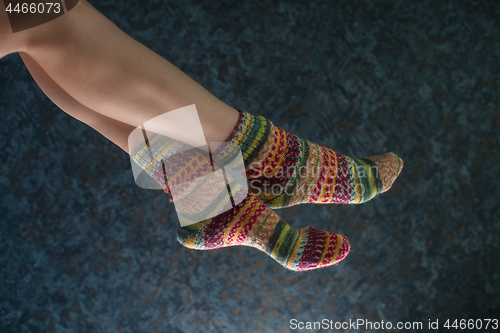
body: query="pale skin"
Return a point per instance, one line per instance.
(101, 76)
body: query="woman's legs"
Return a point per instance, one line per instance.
(105, 70)
(251, 223)
(101, 76)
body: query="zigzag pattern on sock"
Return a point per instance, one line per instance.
(253, 224)
(285, 170)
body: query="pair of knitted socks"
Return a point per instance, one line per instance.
(282, 170)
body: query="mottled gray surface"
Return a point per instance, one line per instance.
(82, 249)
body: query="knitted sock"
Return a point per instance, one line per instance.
(284, 170)
(249, 223)
(254, 224)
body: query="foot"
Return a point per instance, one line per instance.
(285, 170)
(254, 224)
(389, 165)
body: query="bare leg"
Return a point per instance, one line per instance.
(115, 131)
(107, 71)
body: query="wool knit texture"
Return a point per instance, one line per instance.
(249, 223)
(284, 170)
(252, 223)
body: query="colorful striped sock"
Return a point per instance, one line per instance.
(284, 170)
(249, 223)
(252, 223)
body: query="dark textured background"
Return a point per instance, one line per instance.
(83, 249)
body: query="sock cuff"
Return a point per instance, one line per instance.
(151, 154)
(250, 135)
(147, 155)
